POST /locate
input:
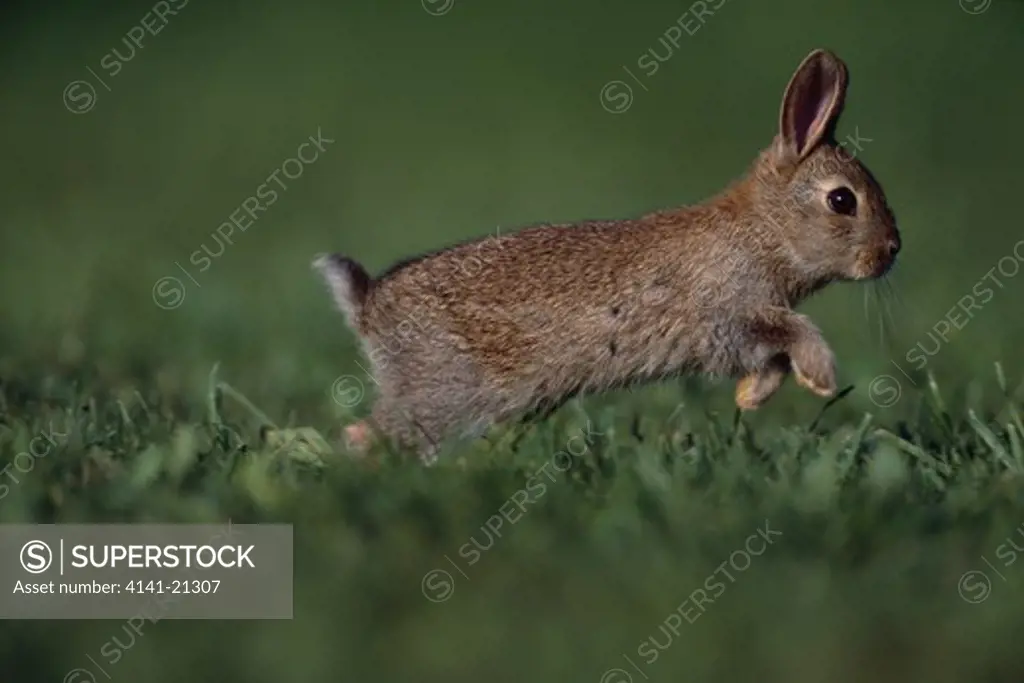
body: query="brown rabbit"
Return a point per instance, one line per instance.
(554, 310)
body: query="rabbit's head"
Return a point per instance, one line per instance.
(827, 210)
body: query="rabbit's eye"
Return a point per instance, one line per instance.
(842, 200)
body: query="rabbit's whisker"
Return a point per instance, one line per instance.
(879, 297)
(894, 292)
(872, 298)
(887, 322)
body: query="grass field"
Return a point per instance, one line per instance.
(167, 373)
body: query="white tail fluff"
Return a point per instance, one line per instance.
(348, 282)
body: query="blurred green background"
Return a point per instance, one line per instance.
(448, 120)
(449, 126)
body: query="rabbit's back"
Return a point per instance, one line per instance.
(555, 307)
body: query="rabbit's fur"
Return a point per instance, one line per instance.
(493, 329)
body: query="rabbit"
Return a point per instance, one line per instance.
(554, 310)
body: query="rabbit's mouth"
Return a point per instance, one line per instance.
(873, 264)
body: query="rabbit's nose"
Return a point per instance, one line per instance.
(893, 245)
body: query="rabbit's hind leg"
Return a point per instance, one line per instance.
(358, 437)
(407, 427)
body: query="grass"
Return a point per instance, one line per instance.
(411, 573)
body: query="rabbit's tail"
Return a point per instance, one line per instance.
(349, 284)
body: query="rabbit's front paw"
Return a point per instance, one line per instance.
(814, 366)
(757, 387)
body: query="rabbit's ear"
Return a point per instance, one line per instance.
(812, 104)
